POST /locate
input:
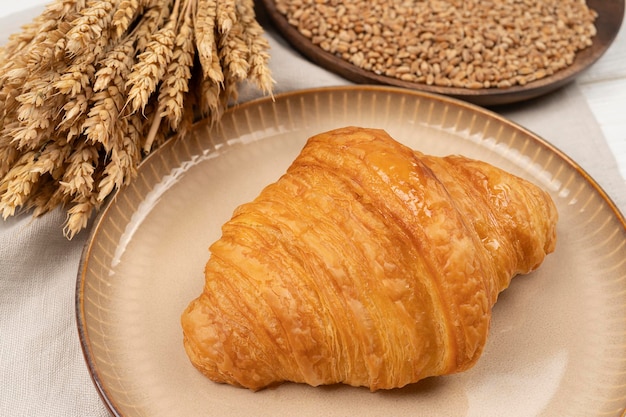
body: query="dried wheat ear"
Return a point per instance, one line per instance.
(90, 87)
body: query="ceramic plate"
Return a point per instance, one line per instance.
(557, 345)
(608, 23)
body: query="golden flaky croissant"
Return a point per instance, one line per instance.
(368, 264)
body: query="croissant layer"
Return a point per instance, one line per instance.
(367, 263)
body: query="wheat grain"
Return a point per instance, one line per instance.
(61, 9)
(43, 31)
(123, 159)
(57, 53)
(17, 185)
(190, 106)
(124, 15)
(23, 178)
(103, 116)
(115, 171)
(77, 76)
(74, 113)
(13, 75)
(94, 21)
(215, 72)
(79, 213)
(153, 19)
(8, 103)
(50, 49)
(110, 94)
(135, 132)
(208, 97)
(31, 134)
(496, 37)
(8, 155)
(128, 12)
(36, 123)
(116, 64)
(226, 16)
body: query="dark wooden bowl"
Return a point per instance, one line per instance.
(608, 23)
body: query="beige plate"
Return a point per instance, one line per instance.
(558, 340)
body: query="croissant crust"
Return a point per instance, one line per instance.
(367, 263)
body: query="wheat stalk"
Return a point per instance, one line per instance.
(90, 87)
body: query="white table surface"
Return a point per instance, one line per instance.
(66, 389)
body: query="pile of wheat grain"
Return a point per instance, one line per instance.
(449, 43)
(91, 86)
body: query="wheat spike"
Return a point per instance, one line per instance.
(90, 87)
(78, 178)
(176, 79)
(150, 67)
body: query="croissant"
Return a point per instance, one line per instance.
(367, 263)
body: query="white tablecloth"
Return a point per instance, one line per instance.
(42, 372)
